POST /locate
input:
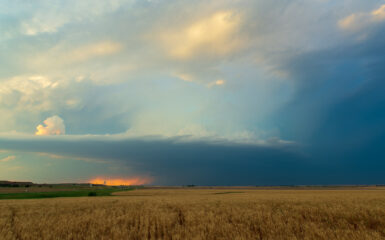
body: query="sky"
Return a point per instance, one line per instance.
(176, 92)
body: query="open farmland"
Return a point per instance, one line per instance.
(36, 189)
(182, 213)
(53, 191)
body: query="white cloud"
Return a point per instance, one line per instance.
(39, 25)
(185, 77)
(63, 55)
(52, 126)
(213, 35)
(93, 50)
(360, 20)
(27, 91)
(26, 84)
(192, 78)
(379, 14)
(218, 82)
(49, 17)
(7, 159)
(98, 61)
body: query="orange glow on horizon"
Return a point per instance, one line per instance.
(121, 181)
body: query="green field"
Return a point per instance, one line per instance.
(74, 193)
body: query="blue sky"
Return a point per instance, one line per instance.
(193, 92)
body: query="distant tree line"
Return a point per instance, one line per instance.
(15, 184)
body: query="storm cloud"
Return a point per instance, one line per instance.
(268, 92)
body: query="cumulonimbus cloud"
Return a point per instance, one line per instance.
(52, 126)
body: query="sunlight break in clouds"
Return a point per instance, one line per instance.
(53, 126)
(215, 34)
(121, 181)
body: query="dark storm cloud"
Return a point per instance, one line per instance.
(339, 106)
(204, 162)
(326, 81)
(175, 161)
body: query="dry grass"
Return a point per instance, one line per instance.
(200, 214)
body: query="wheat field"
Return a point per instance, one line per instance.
(200, 214)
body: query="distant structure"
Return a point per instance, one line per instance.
(105, 182)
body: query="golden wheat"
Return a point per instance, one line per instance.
(200, 214)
